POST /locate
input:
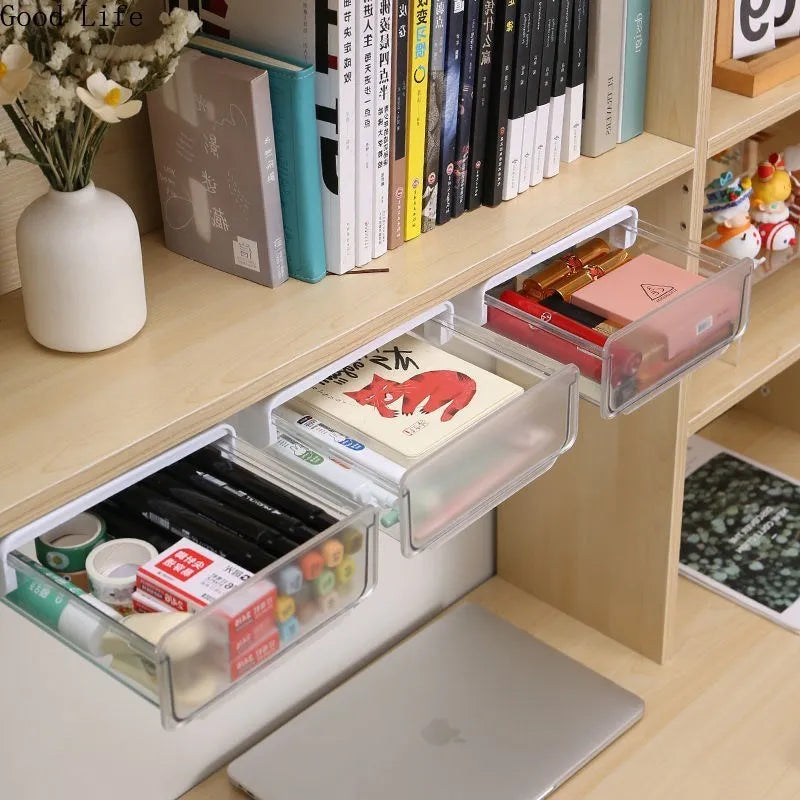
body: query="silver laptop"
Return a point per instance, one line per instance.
(470, 708)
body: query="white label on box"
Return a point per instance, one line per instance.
(753, 27)
(704, 325)
(245, 254)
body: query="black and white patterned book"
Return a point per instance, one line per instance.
(740, 535)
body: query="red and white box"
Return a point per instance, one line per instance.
(145, 604)
(257, 654)
(188, 577)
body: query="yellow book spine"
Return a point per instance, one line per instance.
(418, 58)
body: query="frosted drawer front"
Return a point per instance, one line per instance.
(651, 354)
(217, 649)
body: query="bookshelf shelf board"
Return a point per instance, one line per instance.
(770, 345)
(214, 344)
(721, 650)
(734, 117)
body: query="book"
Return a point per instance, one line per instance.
(576, 75)
(552, 158)
(633, 69)
(419, 47)
(364, 176)
(517, 101)
(480, 105)
(465, 105)
(383, 126)
(499, 98)
(449, 122)
(538, 18)
(601, 103)
(433, 128)
(214, 148)
(291, 88)
(295, 30)
(740, 535)
(549, 44)
(398, 92)
(407, 398)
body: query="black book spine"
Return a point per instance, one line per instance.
(499, 98)
(522, 55)
(548, 52)
(576, 74)
(480, 111)
(433, 126)
(538, 20)
(452, 85)
(562, 48)
(469, 63)
(399, 106)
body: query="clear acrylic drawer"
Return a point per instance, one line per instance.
(641, 359)
(439, 495)
(217, 649)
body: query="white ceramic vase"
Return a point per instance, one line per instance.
(80, 263)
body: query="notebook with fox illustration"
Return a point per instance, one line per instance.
(407, 398)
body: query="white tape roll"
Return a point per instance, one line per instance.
(112, 570)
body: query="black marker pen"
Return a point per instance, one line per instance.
(209, 458)
(120, 525)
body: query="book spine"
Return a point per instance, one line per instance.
(298, 174)
(383, 75)
(419, 47)
(519, 95)
(532, 95)
(365, 130)
(633, 73)
(331, 40)
(467, 96)
(552, 10)
(452, 86)
(398, 92)
(552, 159)
(480, 111)
(502, 78)
(576, 76)
(277, 268)
(433, 130)
(601, 117)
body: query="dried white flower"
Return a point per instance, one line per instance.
(15, 72)
(107, 99)
(61, 53)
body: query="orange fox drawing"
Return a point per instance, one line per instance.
(440, 387)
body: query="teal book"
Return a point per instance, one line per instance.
(634, 69)
(291, 88)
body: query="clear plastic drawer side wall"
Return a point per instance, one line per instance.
(635, 364)
(244, 633)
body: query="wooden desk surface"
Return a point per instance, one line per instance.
(722, 719)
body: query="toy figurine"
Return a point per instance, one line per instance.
(778, 236)
(792, 159)
(741, 242)
(729, 200)
(772, 187)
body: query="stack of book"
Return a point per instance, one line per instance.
(423, 110)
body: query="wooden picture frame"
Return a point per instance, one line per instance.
(757, 74)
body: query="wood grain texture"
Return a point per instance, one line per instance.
(214, 343)
(760, 73)
(770, 344)
(776, 402)
(734, 118)
(720, 719)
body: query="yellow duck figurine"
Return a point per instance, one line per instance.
(772, 187)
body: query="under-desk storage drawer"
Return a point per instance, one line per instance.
(310, 570)
(428, 499)
(632, 323)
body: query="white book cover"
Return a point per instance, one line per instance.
(740, 535)
(365, 24)
(293, 30)
(512, 167)
(555, 125)
(573, 124)
(540, 144)
(528, 142)
(383, 126)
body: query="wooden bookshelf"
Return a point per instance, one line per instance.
(734, 117)
(214, 344)
(770, 345)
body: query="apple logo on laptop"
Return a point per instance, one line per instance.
(440, 732)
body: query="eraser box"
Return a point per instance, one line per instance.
(231, 640)
(682, 332)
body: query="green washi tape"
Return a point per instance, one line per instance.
(66, 547)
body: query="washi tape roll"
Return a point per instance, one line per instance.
(112, 570)
(66, 547)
